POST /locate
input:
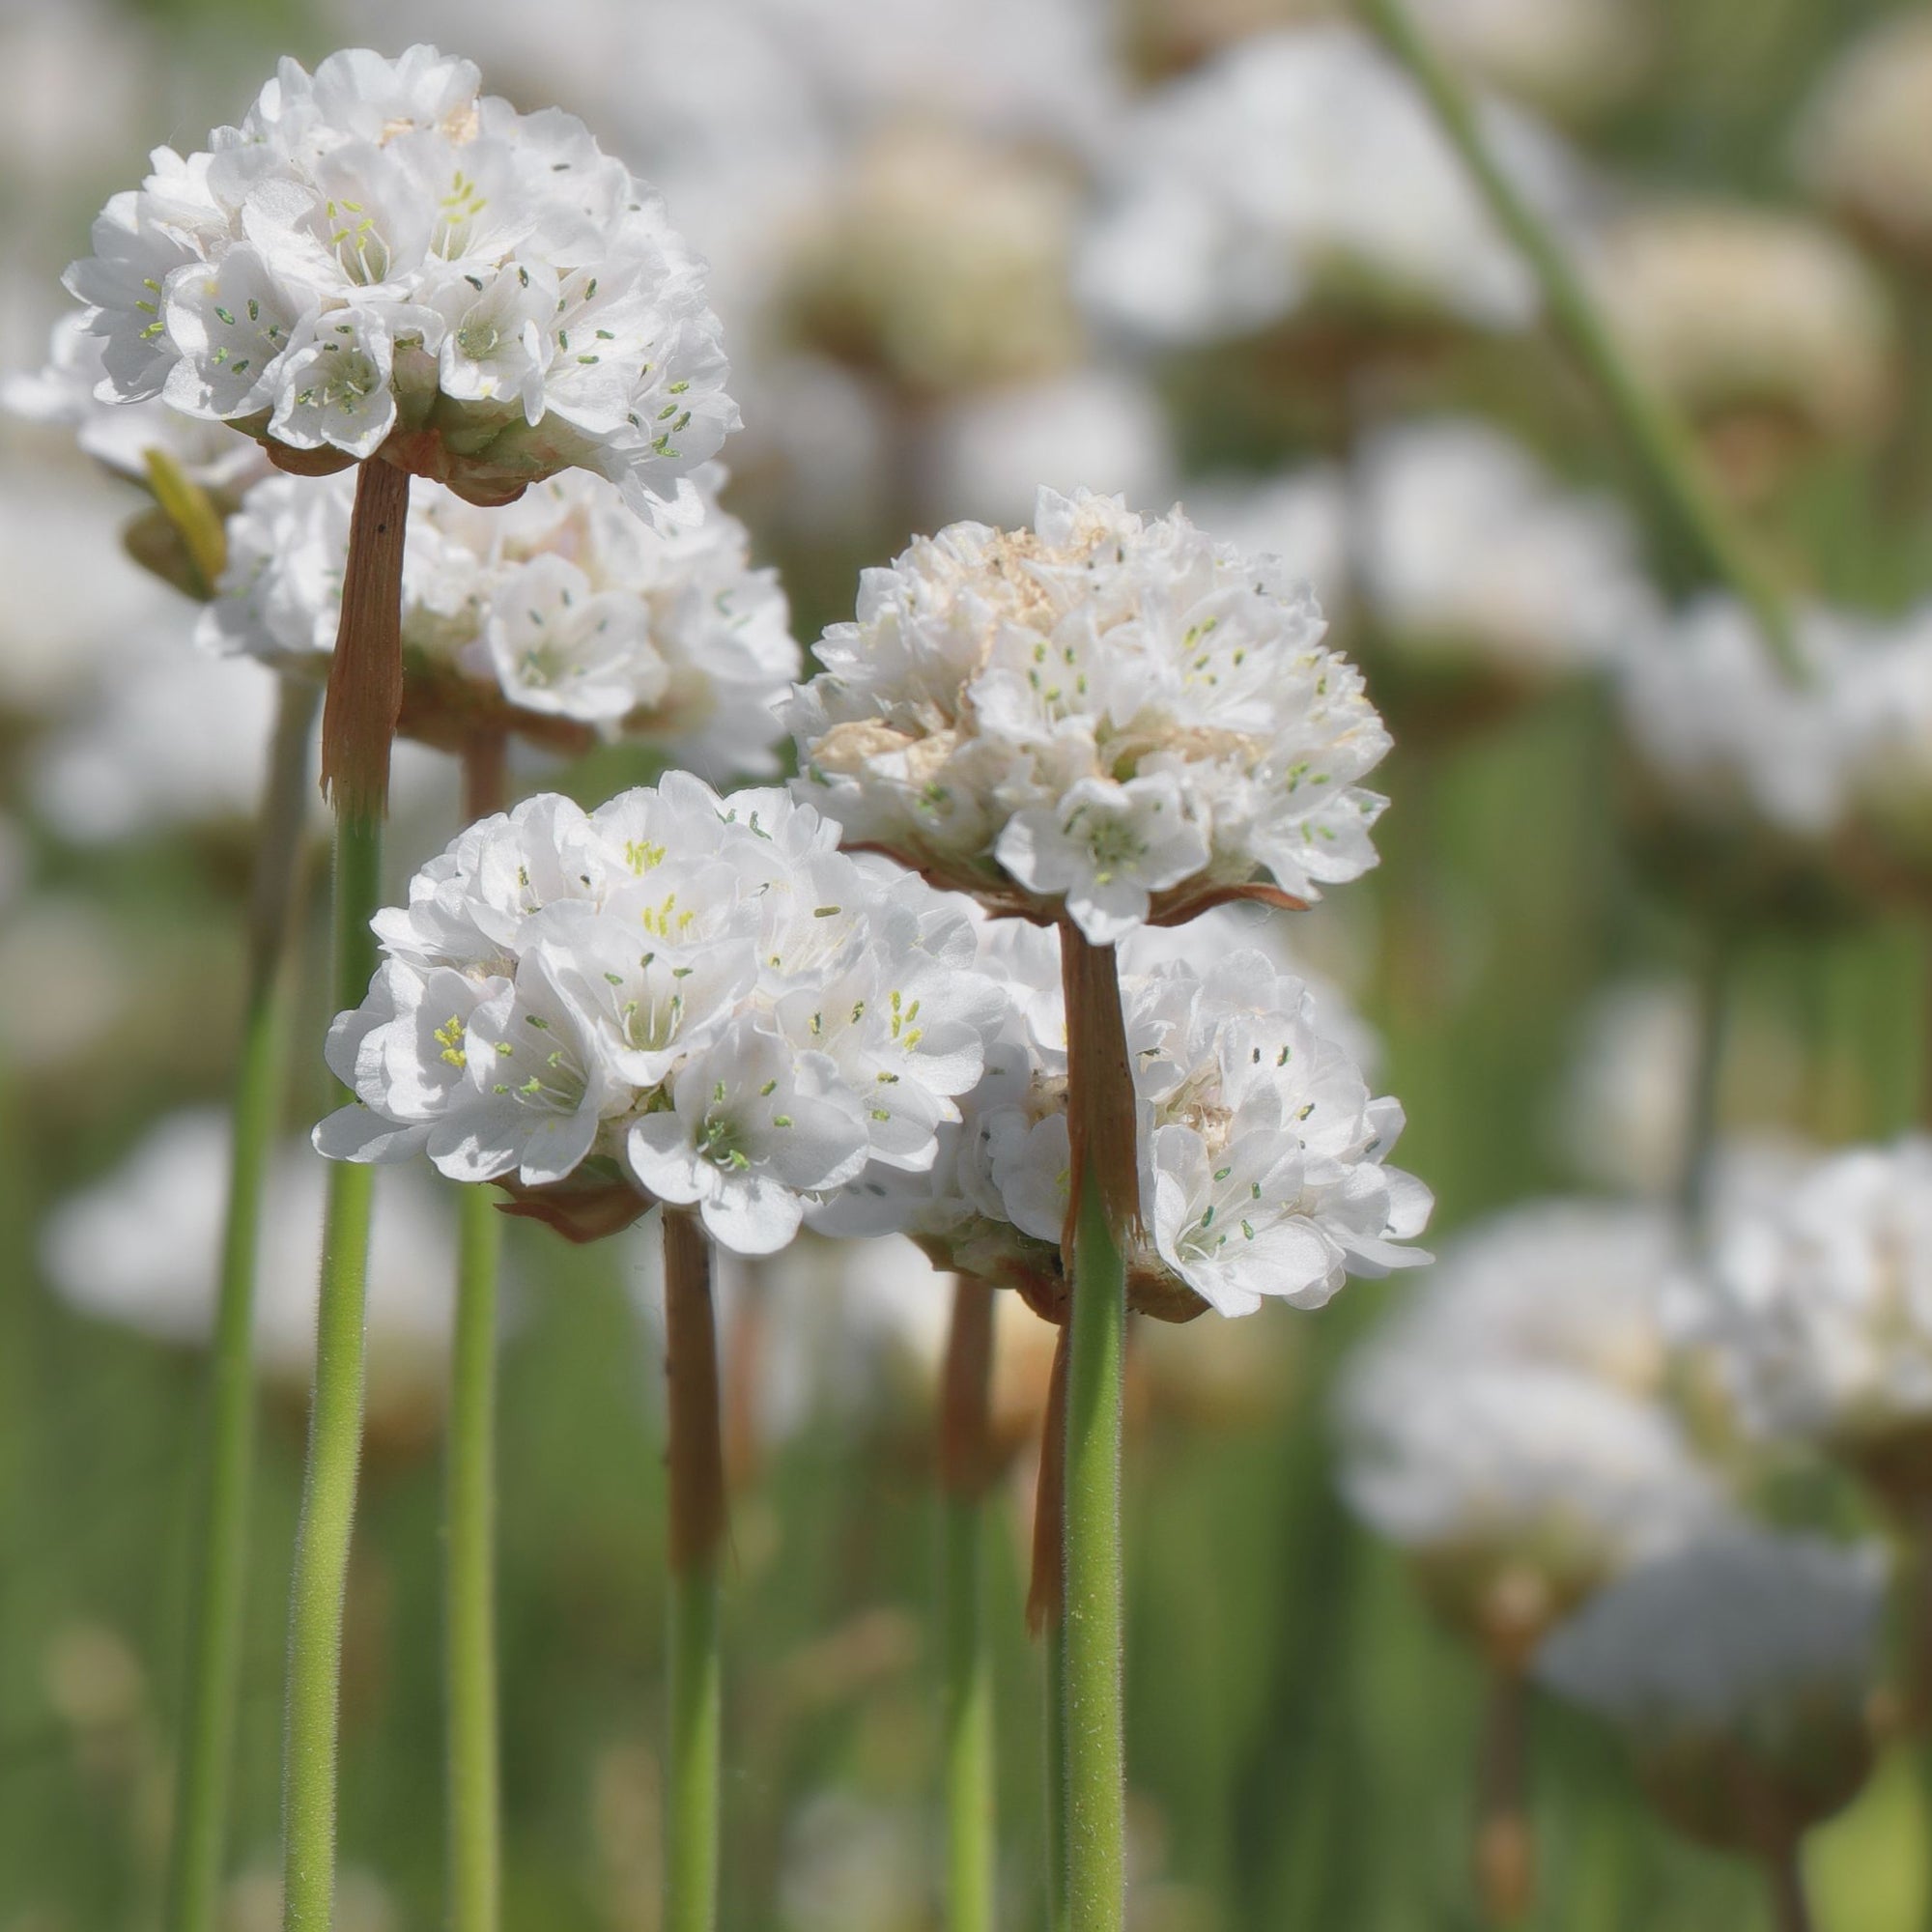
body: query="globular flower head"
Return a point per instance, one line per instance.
(561, 615)
(1507, 1426)
(677, 997)
(1738, 1669)
(1110, 716)
(1263, 1153)
(1817, 1302)
(383, 260)
(1297, 170)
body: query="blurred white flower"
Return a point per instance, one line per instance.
(1508, 1425)
(1740, 311)
(1101, 427)
(853, 1867)
(1626, 1116)
(1455, 542)
(381, 259)
(1862, 138)
(1299, 166)
(1105, 712)
(1716, 719)
(1743, 1660)
(86, 972)
(67, 74)
(1466, 545)
(1817, 1296)
(141, 1247)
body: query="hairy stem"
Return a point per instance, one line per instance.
(199, 1843)
(1047, 1619)
(696, 1459)
(372, 601)
(966, 1472)
(1103, 1183)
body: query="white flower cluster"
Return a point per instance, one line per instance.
(1455, 544)
(1713, 716)
(1744, 1635)
(699, 997)
(1115, 714)
(121, 435)
(1508, 1426)
(1261, 1151)
(381, 259)
(1297, 167)
(1817, 1298)
(566, 603)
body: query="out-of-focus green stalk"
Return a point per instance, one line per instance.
(334, 1452)
(1653, 428)
(966, 1670)
(1101, 1116)
(214, 1656)
(696, 1461)
(475, 1857)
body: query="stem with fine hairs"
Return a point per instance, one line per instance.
(695, 1462)
(471, 1743)
(1104, 1186)
(1505, 1850)
(356, 770)
(966, 1474)
(200, 1839)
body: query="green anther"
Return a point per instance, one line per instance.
(225, 315)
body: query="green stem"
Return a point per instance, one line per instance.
(1655, 432)
(966, 1472)
(475, 1858)
(1716, 977)
(334, 1452)
(696, 1461)
(214, 1656)
(1056, 1776)
(1100, 1104)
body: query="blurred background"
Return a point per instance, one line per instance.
(1642, 903)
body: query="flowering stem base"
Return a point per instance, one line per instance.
(1101, 1112)
(214, 1661)
(1505, 1852)
(1047, 1619)
(334, 1452)
(475, 1860)
(965, 1474)
(695, 1460)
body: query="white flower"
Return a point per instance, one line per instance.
(1739, 309)
(1817, 1298)
(568, 605)
(142, 1247)
(381, 259)
(1106, 848)
(1018, 713)
(1465, 544)
(1860, 143)
(1509, 1423)
(1262, 1155)
(1456, 543)
(1295, 167)
(1761, 1643)
(121, 435)
(1728, 731)
(699, 992)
